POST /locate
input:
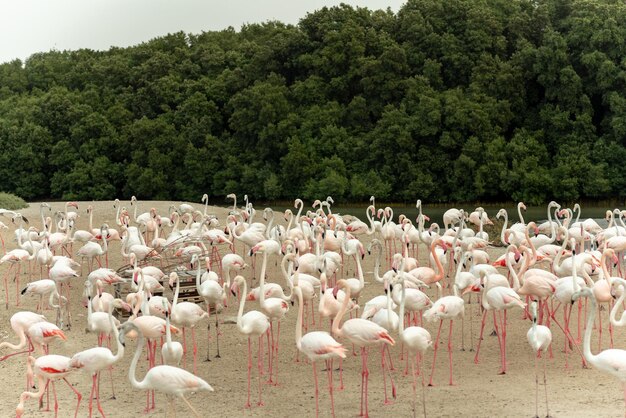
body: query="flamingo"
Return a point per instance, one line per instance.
(612, 360)
(539, 337)
(96, 359)
(91, 249)
(20, 323)
(417, 340)
(172, 351)
(252, 324)
(317, 345)
(498, 299)
(170, 380)
(43, 333)
(186, 315)
(16, 256)
(43, 288)
(213, 294)
(448, 307)
(362, 333)
(48, 368)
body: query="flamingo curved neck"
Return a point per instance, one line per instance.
(504, 225)
(242, 302)
(299, 320)
(133, 365)
(336, 330)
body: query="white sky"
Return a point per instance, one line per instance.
(29, 26)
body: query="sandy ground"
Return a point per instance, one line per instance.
(478, 392)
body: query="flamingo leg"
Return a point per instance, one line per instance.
(217, 334)
(317, 406)
(6, 285)
(190, 407)
(250, 369)
(195, 350)
(480, 338)
(536, 386)
(93, 389)
(329, 371)
(432, 372)
(56, 402)
(274, 361)
(545, 386)
(79, 397)
(450, 351)
(260, 366)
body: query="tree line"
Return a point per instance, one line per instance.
(445, 100)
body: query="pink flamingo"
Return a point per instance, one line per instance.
(275, 308)
(170, 380)
(20, 323)
(362, 333)
(213, 295)
(317, 345)
(252, 324)
(16, 256)
(186, 315)
(539, 337)
(48, 368)
(427, 275)
(92, 250)
(611, 361)
(448, 307)
(417, 340)
(498, 299)
(96, 359)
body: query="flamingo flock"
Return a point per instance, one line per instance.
(560, 277)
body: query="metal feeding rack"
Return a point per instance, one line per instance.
(186, 277)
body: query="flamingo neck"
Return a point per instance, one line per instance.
(299, 320)
(336, 330)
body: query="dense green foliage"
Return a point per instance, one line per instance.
(445, 100)
(11, 202)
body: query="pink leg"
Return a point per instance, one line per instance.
(195, 351)
(56, 402)
(317, 406)
(260, 366)
(274, 361)
(270, 351)
(79, 397)
(249, 369)
(432, 372)
(6, 286)
(93, 390)
(367, 373)
(382, 363)
(98, 396)
(329, 372)
(480, 338)
(184, 349)
(450, 351)
(341, 387)
(499, 335)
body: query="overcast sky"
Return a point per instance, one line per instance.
(28, 26)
